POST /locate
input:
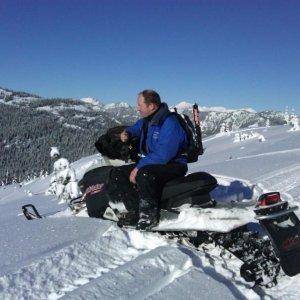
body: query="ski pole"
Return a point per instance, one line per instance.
(196, 116)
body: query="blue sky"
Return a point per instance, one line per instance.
(220, 53)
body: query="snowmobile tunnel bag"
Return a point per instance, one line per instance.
(101, 190)
(193, 188)
(199, 182)
(94, 185)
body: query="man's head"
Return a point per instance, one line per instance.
(148, 102)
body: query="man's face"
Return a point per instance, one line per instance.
(143, 108)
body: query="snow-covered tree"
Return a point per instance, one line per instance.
(295, 123)
(63, 183)
(223, 128)
(237, 137)
(268, 123)
(228, 129)
(8, 98)
(261, 138)
(286, 116)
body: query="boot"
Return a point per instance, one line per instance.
(147, 221)
(148, 216)
(128, 219)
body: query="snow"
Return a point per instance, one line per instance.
(54, 151)
(123, 104)
(184, 105)
(72, 126)
(224, 110)
(95, 102)
(81, 116)
(69, 257)
(295, 124)
(187, 106)
(249, 109)
(92, 101)
(56, 108)
(211, 219)
(117, 105)
(255, 125)
(5, 92)
(63, 183)
(243, 136)
(234, 198)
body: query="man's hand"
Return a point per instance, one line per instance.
(132, 175)
(124, 136)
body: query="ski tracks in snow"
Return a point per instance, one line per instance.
(126, 264)
(104, 267)
(268, 154)
(121, 264)
(285, 180)
(68, 268)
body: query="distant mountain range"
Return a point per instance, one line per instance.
(30, 125)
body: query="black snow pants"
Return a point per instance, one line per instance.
(150, 181)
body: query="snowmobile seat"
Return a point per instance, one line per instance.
(192, 189)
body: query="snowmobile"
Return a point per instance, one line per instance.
(262, 259)
(189, 198)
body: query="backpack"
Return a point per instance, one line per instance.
(110, 145)
(195, 147)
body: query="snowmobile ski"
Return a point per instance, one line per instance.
(277, 214)
(77, 204)
(283, 229)
(30, 212)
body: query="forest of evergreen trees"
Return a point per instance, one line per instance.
(26, 136)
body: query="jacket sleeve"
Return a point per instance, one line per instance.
(172, 138)
(136, 129)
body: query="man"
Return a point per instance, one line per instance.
(162, 140)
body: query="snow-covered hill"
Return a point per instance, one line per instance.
(83, 258)
(212, 117)
(31, 122)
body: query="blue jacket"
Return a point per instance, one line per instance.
(165, 138)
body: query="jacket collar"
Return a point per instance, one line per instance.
(159, 116)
